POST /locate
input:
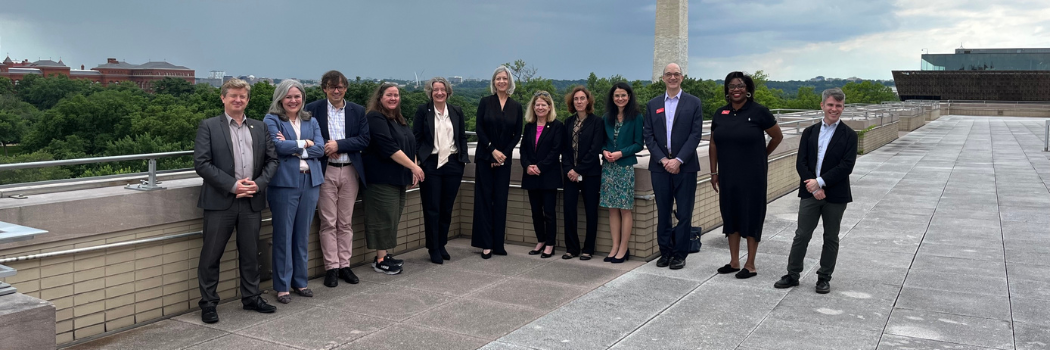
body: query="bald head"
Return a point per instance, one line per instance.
(672, 78)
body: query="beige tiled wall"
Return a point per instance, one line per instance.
(877, 137)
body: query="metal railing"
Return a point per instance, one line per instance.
(147, 185)
(1046, 137)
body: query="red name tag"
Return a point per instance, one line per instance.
(661, 110)
(725, 112)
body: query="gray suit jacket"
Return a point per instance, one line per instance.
(213, 161)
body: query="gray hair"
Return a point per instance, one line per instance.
(280, 92)
(835, 93)
(510, 76)
(429, 88)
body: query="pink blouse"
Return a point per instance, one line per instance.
(539, 130)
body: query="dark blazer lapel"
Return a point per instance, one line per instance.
(836, 138)
(224, 125)
(322, 121)
(432, 119)
(814, 145)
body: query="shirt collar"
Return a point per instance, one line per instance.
(668, 97)
(330, 106)
(833, 125)
(230, 120)
(439, 112)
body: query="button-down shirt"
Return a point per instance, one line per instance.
(243, 154)
(301, 143)
(444, 135)
(670, 107)
(826, 132)
(337, 128)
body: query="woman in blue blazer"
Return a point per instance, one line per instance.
(623, 138)
(294, 188)
(541, 146)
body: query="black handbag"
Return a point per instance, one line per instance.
(694, 239)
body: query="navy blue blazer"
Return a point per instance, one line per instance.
(357, 135)
(685, 132)
(288, 151)
(543, 154)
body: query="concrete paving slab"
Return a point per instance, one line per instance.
(449, 281)
(572, 274)
(1031, 337)
(233, 317)
(405, 337)
(781, 334)
(389, 302)
(972, 251)
(1030, 310)
(983, 285)
(951, 328)
(328, 328)
(163, 335)
(967, 304)
(833, 310)
(478, 318)
(539, 295)
(896, 342)
(1022, 271)
(237, 342)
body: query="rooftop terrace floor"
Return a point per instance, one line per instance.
(947, 246)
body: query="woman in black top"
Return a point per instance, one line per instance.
(585, 135)
(390, 162)
(739, 163)
(498, 124)
(541, 176)
(442, 141)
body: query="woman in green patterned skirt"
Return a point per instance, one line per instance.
(623, 138)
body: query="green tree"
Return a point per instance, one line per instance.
(44, 93)
(868, 92)
(259, 100)
(7, 86)
(96, 119)
(11, 129)
(173, 86)
(31, 175)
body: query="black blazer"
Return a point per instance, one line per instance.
(838, 162)
(388, 137)
(543, 154)
(423, 128)
(497, 129)
(685, 133)
(357, 135)
(213, 161)
(592, 137)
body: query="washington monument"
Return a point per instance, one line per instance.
(672, 36)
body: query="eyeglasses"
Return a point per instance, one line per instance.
(673, 75)
(737, 87)
(544, 93)
(340, 87)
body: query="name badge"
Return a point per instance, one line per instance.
(661, 110)
(725, 112)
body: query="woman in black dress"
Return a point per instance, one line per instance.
(541, 176)
(739, 151)
(498, 124)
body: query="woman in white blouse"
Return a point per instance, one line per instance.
(442, 141)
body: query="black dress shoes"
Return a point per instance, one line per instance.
(499, 252)
(444, 254)
(331, 278)
(823, 287)
(664, 261)
(677, 264)
(260, 305)
(348, 275)
(435, 257)
(745, 274)
(537, 251)
(785, 282)
(486, 255)
(209, 315)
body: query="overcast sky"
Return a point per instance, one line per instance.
(562, 39)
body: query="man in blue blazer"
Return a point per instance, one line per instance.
(671, 129)
(345, 132)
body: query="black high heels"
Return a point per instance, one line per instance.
(538, 251)
(546, 255)
(626, 256)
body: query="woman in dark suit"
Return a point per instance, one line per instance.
(442, 151)
(498, 120)
(541, 145)
(623, 138)
(390, 166)
(294, 188)
(739, 151)
(585, 136)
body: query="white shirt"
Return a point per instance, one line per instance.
(337, 129)
(444, 134)
(296, 125)
(826, 131)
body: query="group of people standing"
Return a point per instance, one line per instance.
(586, 155)
(321, 155)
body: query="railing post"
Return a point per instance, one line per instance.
(1046, 137)
(150, 183)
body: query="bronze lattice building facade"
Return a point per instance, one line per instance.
(979, 74)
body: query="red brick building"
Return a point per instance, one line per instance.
(112, 71)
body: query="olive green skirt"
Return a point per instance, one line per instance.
(383, 206)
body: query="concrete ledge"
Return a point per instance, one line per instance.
(26, 323)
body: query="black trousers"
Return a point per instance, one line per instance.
(218, 227)
(591, 188)
(491, 188)
(674, 191)
(438, 195)
(545, 215)
(810, 211)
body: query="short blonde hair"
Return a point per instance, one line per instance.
(510, 77)
(530, 116)
(429, 88)
(235, 84)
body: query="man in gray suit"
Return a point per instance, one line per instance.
(236, 159)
